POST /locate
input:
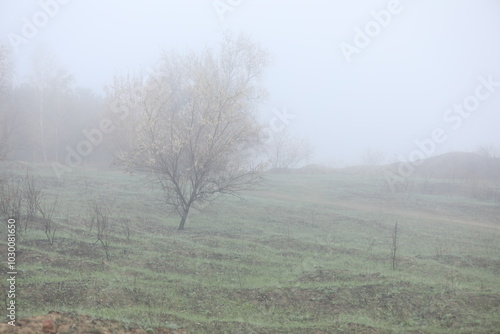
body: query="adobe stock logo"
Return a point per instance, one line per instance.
(221, 7)
(95, 137)
(31, 27)
(277, 123)
(74, 157)
(372, 29)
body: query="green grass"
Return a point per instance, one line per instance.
(304, 254)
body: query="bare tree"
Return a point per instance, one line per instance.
(196, 122)
(489, 150)
(285, 151)
(6, 113)
(47, 212)
(123, 109)
(11, 198)
(5, 72)
(51, 83)
(101, 217)
(372, 157)
(32, 197)
(7, 127)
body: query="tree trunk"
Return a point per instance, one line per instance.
(183, 220)
(42, 132)
(57, 146)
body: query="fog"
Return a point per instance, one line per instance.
(250, 166)
(346, 91)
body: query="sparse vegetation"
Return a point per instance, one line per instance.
(32, 196)
(161, 174)
(11, 197)
(259, 267)
(47, 210)
(100, 219)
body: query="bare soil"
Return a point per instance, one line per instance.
(61, 323)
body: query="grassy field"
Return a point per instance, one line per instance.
(303, 254)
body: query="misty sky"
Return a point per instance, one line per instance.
(394, 91)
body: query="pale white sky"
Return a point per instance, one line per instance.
(395, 91)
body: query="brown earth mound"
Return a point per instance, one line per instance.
(314, 169)
(456, 165)
(59, 323)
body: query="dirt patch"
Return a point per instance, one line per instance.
(69, 293)
(443, 216)
(80, 249)
(469, 262)
(320, 275)
(61, 323)
(399, 300)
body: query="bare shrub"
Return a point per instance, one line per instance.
(285, 151)
(32, 195)
(47, 210)
(100, 218)
(11, 198)
(126, 227)
(23, 199)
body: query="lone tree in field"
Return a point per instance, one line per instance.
(194, 123)
(371, 157)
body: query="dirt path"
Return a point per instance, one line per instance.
(444, 217)
(56, 322)
(391, 209)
